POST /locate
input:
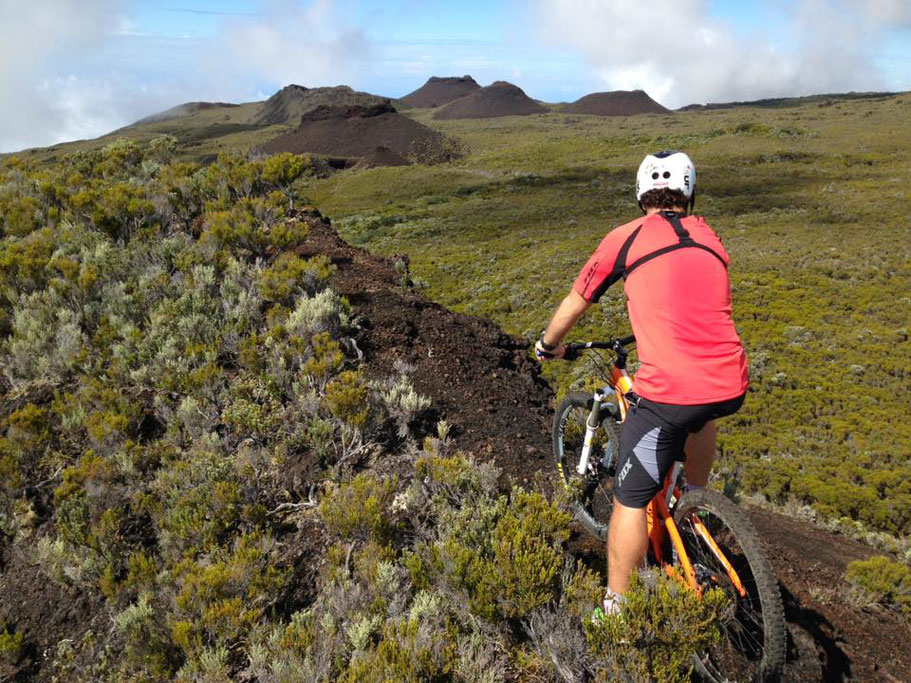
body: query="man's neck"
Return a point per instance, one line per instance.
(675, 209)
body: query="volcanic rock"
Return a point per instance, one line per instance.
(615, 103)
(498, 99)
(382, 156)
(292, 102)
(357, 131)
(438, 91)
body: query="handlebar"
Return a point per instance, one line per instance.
(573, 350)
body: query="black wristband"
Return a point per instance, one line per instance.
(545, 345)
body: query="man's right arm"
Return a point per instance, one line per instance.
(597, 274)
(567, 314)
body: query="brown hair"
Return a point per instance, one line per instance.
(663, 198)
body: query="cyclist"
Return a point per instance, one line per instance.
(693, 368)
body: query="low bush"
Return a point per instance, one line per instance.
(359, 509)
(10, 645)
(661, 623)
(883, 581)
(179, 386)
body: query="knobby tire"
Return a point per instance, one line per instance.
(594, 501)
(740, 656)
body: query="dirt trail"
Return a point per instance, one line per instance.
(484, 383)
(481, 380)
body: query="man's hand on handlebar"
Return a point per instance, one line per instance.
(545, 351)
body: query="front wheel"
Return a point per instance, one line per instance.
(592, 492)
(753, 636)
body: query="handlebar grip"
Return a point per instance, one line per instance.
(626, 341)
(571, 353)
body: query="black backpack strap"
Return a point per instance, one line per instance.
(619, 269)
(684, 241)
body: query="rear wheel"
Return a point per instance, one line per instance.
(753, 635)
(593, 491)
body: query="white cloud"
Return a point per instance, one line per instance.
(889, 13)
(286, 42)
(32, 36)
(679, 53)
(72, 69)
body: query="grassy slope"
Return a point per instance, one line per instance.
(809, 201)
(203, 134)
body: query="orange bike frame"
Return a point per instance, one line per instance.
(664, 526)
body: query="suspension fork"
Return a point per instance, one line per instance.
(591, 426)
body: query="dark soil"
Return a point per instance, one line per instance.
(382, 156)
(439, 91)
(831, 639)
(616, 103)
(357, 131)
(498, 99)
(481, 380)
(43, 611)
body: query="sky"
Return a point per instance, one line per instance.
(73, 69)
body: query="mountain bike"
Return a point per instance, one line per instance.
(700, 538)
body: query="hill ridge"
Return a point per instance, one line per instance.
(292, 102)
(500, 98)
(615, 103)
(440, 90)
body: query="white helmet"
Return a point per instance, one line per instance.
(667, 169)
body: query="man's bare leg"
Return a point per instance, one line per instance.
(627, 541)
(700, 454)
(627, 538)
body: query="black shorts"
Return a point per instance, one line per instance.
(652, 438)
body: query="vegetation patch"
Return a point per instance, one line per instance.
(187, 430)
(809, 204)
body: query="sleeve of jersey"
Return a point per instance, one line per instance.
(601, 271)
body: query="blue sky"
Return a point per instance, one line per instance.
(71, 69)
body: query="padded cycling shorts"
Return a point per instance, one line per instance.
(652, 438)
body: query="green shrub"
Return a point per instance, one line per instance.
(326, 357)
(406, 653)
(147, 645)
(883, 580)
(10, 645)
(346, 398)
(506, 555)
(661, 623)
(290, 275)
(359, 509)
(282, 170)
(218, 600)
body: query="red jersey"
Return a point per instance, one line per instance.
(679, 303)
